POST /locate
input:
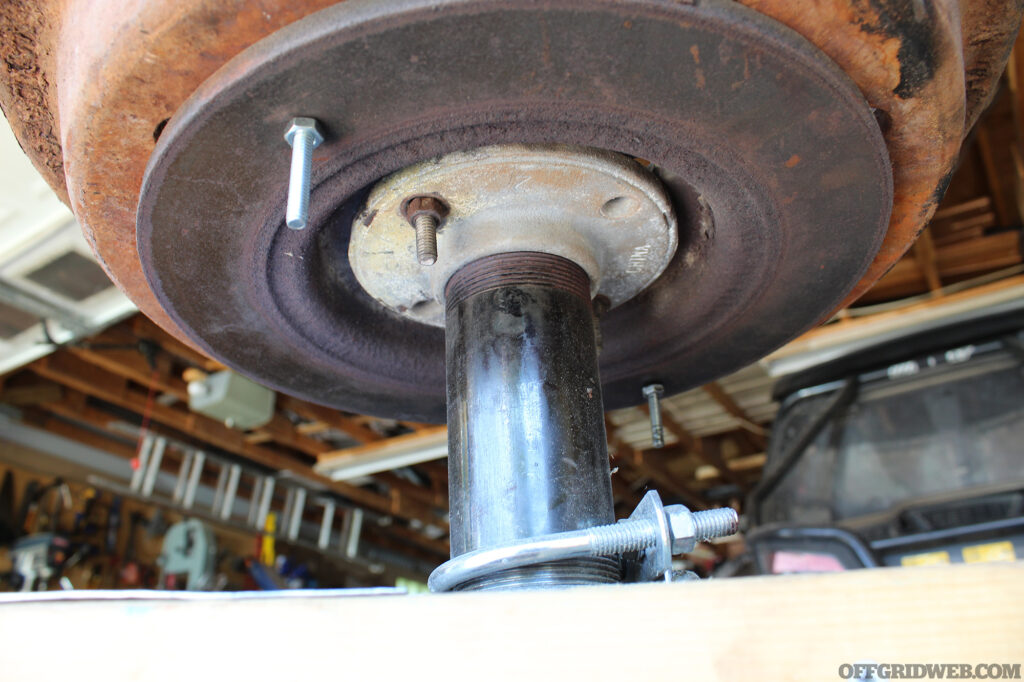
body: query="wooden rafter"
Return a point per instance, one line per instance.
(636, 463)
(751, 432)
(332, 418)
(924, 254)
(105, 352)
(688, 443)
(70, 371)
(1004, 211)
(144, 328)
(427, 436)
(73, 408)
(27, 395)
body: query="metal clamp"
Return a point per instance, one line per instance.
(654, 531)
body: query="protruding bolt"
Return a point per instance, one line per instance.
(688, 528)
(303, 137)
(653, 393)
(715, 523)
(425, 215)
(426, 238)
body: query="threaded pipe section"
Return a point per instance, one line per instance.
(517, 269)
(715, 523)
(426, 238)
(549, 575)
(619, 538)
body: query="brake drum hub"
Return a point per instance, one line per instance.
(603, 211)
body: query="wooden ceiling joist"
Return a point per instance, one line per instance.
(633, 464)
(751, 432)
(71, 371)
(687, 444)
(924, 254)
(333, 419)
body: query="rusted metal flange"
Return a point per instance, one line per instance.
(762, 143)
(600, 210)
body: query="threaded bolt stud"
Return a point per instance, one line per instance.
(653, 393)
(425, 214)
(621, 537)
(715, 523)
(425, 225)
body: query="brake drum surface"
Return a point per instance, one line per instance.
(774, 164)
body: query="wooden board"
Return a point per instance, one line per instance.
(768, 628)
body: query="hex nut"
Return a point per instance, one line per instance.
(302, 123)
(682, 528)
(417, 206)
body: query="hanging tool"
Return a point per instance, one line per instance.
(188, 559)
(39, 556)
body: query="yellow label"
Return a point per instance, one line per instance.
(926, 559)
(993, 551)
(267, 551)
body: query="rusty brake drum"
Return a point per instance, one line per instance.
(773, 160)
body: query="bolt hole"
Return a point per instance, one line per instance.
(159, 129)
(618, 208)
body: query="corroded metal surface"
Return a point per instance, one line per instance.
(600, 210)
(927, 68)
(125, 68)
(118, 71)
(766, 148)
(27, 65)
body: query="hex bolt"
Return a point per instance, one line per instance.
(687, 528)
(653, 393)
(425, 214)
(303, 137)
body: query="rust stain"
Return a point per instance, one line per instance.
(114, 71)
(112, 100)
(793, 160)
(699, 72)
(927, 128)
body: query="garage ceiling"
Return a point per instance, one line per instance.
(47, 272)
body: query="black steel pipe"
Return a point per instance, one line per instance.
(527, 448)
